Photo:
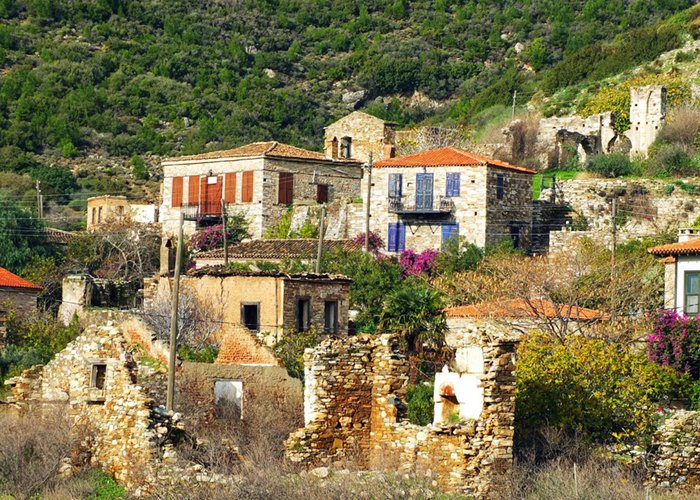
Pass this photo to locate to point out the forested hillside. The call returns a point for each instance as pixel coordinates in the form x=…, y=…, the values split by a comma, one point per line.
x=107, y=82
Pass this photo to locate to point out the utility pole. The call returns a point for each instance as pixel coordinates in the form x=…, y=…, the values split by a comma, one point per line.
x=515, y=95
x=224, y=230
x=319, y=254
x=368, y=201
x=39, y=201
x=173, y=318
x=614, y=233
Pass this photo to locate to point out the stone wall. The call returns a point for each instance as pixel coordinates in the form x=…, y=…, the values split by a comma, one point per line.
x=368, y=133
x=239, y=347
x=647, y=116
x=22, y=299
x=355, y=410
x=645, y=206
x=674, y=460
x=120, y=428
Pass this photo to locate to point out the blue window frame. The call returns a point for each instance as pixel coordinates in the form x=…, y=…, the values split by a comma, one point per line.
x=424, y=191
x=691, y=302
x=452, y=184
x=396, y=240
x=449, y=231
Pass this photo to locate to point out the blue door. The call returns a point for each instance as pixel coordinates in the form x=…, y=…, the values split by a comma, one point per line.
x=424, y=191
x=396, y=238
x=449, y=231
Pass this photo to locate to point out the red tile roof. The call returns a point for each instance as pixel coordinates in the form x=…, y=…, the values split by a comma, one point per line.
x=10, y=280
x=298, y=248
x=270, y=149
x=690, y=247
x=520, y=308
x=448, y=157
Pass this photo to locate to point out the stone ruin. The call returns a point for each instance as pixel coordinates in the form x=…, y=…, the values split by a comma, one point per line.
x=120, y=429
x=355, y=411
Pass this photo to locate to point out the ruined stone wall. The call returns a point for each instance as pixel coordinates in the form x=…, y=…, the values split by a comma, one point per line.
x=238, y=346
x=119, y=426
x=368, y=134
x=647, y=116
x=675, y=460
x=354, y=405
x=646, y=206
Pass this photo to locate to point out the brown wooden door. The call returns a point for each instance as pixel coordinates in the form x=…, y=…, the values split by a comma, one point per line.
x=212, y=189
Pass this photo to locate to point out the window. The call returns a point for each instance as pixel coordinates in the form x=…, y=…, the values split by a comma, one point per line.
x=321, y=193
x=228, y=397
x=452, y=184
x=120, y=212
x=99, y=215
x=515, y=235
x=346, y=147
x=449, y=231
x=303, y=314
x=285, y=192
x=230, y=188
x=499, y=186
x=94, y=214
x=692, y=293
x=396, y=241
x=193, y=190
x=395, y=185
x=177, y=192
x=250, y=315
x=330, y=316
x=247, y=191
x=98, y=373
x=424, y=191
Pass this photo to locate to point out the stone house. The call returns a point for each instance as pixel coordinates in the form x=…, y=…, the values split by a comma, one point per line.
x=108, y=209
x=274, y=251
x=682, y=272
x=17, y=293
x=268, y=304
x=421, y=200
x=259, y=180
x=357, y=135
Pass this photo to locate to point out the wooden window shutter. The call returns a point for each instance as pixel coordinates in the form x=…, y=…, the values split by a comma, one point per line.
x=177, y=192
x=193, y=192
x=286, y=188
x=247, y=192
x=230, y=189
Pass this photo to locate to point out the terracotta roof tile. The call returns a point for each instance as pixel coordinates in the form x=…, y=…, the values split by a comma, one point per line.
x=447, y=157
x=58, y=236
x=222, y=272
x=10, y=280
x=520, y=308
x=300, y=248
x=690, y=247
x=271, y=149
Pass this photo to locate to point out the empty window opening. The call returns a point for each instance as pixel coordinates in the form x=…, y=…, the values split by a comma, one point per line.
x=330, y=315
x=322, y=193
x=250, y=316
x=346, y=147
x=303, y=314
x=98, y=373
x=228, y=397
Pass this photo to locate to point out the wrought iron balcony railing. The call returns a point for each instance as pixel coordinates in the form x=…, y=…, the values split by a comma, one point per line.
x=422, y=205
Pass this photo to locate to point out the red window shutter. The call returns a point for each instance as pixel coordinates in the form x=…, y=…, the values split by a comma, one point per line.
x=230, y=190
x=203, y=199
x=322, y=193
x=177, y=192
x=247, y=194
x=193, y=192
x=286, y=188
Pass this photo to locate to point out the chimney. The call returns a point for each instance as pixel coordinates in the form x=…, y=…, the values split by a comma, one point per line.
x=688, y=233
x=389, y=151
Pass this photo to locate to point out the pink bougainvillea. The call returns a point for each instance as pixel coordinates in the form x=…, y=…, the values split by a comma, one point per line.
x=415, y=264
x=675, y=342
x=375, y=241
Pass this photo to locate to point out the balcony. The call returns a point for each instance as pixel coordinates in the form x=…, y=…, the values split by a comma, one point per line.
x=426, y=206
x=203, y=212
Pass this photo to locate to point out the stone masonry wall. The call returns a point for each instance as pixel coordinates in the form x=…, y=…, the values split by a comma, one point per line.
x=368, y=134
x=512, y=214
x=317, y=293
x=646, y=206
x=674, y=460
x=355, y=408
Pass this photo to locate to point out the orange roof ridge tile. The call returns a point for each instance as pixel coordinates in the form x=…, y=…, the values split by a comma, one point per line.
x=11, y=280
x=689, y=247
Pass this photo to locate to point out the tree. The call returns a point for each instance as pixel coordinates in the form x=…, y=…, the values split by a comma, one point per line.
x=21, y=236
x=415, y=311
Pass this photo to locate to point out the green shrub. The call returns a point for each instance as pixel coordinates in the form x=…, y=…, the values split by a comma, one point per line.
x=138, y=168
x=671, y=160
x=612, y=165
x=420, y=403
x=206, y=354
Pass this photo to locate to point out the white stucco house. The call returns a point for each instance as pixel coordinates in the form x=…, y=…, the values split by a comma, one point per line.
x=682, y=276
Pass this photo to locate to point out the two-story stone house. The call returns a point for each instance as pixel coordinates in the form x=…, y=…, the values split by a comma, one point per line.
x=421, y=200
x=259, y=180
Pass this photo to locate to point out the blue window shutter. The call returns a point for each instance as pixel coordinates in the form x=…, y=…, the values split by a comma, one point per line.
x=392, y=237
x=419, y=190
x=424, y=191
x=449, y=231
x=452, y=184
x=401, y=229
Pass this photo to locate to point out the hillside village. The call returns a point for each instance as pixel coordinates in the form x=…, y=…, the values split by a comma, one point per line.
x=498, y=305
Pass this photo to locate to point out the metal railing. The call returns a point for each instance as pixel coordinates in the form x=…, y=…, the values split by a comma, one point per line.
x=408, y=204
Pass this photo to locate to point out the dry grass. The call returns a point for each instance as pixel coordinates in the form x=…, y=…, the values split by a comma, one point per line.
x=682, y=128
